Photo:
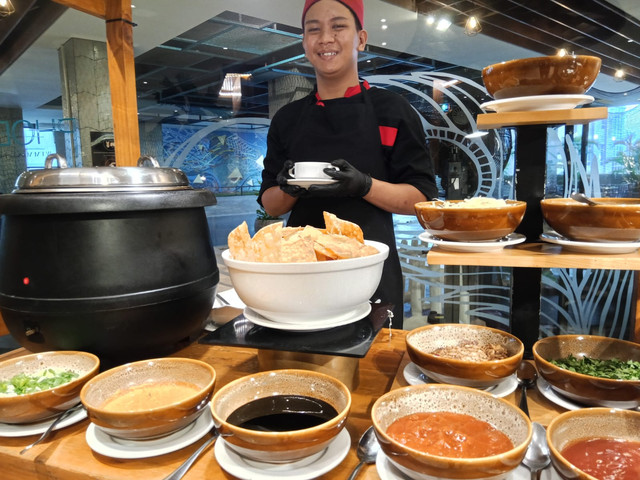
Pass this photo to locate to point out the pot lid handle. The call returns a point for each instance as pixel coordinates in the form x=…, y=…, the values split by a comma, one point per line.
x=148, y=159
x=62, y=162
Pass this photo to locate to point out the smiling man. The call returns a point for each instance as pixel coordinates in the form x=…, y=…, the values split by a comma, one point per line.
x=372, y=135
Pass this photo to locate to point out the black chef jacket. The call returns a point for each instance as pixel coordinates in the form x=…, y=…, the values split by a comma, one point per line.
x=380, y=134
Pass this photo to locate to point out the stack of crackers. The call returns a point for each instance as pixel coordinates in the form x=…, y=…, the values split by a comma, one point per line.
x=339, y=240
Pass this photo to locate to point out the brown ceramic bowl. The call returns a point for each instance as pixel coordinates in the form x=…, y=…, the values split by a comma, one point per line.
x=552, y=75
x=149, y=398
x=422, y=341
x=582, y=388
x=287, y=445
x=616, y=220
x=419, y=465
x=33, y=407
x=461, y=220
x=584, y=424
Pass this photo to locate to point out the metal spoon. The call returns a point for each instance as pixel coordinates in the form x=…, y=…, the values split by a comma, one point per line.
x=179, y=472
x=537, y=457
x=368, y=448
x=50, y=428
x=582, y=198
x=526, y=375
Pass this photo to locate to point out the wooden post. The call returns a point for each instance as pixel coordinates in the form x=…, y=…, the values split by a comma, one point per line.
x=122, y=77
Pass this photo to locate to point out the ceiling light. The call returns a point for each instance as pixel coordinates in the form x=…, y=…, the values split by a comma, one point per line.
x=443, y=24
x=384, y=26
x=620, y=75
x=384, y=44
x=231, y=85
x=472, y=26
x=562, y=52
x=430, y=20
x=6, y=8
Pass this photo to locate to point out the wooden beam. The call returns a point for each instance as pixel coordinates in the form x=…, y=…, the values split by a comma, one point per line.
x=122, y=76
x=122, y=79
x=97, y=8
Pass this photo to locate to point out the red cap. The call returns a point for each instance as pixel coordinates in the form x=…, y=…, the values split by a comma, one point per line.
x=356, y=7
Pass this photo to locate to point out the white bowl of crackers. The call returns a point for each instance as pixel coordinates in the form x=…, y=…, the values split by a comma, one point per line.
x=305, y=274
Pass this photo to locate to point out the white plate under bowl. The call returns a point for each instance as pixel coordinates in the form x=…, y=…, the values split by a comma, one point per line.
x=104, y=444
x=304, y=469
x=307, y=182
x=26, y=429
x=607, y=248
x=356, y=314
x=414, y=376
x=388, y=471
x=468, y=247
x=316, y=319
x=537, y=102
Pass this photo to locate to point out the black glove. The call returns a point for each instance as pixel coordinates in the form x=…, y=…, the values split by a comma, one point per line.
x=351, y=182
x=282, y=179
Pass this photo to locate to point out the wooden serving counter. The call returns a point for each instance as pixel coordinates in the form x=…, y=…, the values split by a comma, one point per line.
x=66, y=455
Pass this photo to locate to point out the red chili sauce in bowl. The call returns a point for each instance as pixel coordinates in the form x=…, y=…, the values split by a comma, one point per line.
x=605, y=458
x=448, y=434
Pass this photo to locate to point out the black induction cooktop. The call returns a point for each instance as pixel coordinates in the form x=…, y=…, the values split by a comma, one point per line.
x=352, y=340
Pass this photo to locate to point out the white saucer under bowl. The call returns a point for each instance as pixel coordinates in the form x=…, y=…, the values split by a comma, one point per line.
x=414, y=376
x=26, y=429
x=307, y=182
x=468, y=247
x=388, y=471
x=607, y=248
x=353, y=316
x=104, y=444
x=304, y=469
x=537, y=102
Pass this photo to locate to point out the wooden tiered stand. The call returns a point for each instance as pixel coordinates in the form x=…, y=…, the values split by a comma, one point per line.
x=528, y=259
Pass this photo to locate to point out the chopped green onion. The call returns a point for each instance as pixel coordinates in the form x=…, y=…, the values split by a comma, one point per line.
x=22, y=384
x=610, y=368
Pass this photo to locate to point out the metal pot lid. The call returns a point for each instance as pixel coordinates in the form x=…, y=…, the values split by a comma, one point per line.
x=97, y=179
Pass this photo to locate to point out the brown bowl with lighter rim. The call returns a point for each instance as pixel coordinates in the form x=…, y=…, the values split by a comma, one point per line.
x=613, y=220
x=434, y=348
x=419, y=464
x=587, y=389
x=594, y=424
x=149, y=398
x=471, y=220
x=310, y=409
x=551, y=75
x=17, y=408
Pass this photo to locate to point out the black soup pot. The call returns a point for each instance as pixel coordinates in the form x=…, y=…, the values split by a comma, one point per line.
x=116, y=261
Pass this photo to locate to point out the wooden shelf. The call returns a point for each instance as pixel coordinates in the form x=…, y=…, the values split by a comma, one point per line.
x=535, y=255
x=543, y=117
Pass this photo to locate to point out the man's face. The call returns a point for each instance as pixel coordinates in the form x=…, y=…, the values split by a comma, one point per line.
x=331, y=40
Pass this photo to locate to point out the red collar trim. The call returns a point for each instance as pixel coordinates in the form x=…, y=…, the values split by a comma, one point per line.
x=350, y=92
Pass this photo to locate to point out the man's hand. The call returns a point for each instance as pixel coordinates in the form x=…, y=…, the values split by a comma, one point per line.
x=283, y=178
x=351, y=182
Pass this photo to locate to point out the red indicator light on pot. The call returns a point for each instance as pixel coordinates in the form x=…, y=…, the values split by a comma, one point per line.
x=25, y=280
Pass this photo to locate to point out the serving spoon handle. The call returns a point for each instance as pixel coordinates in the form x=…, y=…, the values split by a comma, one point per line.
x=50, y=428
x=179, y=472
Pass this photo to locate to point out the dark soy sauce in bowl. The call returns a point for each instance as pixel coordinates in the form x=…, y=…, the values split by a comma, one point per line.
x=282, y=413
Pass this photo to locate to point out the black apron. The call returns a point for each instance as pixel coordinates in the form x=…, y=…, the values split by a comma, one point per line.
x=347, y=128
